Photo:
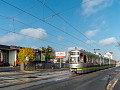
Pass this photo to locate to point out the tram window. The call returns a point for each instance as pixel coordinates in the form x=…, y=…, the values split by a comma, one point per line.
x=96, y=60
x=81, y=57
x=89, y=61
x=102, y=60
x=74, y=53
x=85, y=59
x=93, y=60
x=74, y=60
x=105, y=61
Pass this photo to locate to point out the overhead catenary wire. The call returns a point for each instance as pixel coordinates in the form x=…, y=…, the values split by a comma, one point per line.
x=45, y=22
x=57, y=28
x=67, y=9
x=41, y=31
x=26, y=10
x=67, y=21
x=31, y=36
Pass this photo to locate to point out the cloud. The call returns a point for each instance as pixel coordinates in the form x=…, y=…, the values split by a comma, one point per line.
x=38, y=33
x=94, y=6
x=103, y=23
x=108, y=41
x=92, y=33
x=60, y=38
x=10, y=38
x=90, y=41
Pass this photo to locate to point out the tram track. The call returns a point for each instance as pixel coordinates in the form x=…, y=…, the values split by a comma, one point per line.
x=50, y=80
x=78, y=77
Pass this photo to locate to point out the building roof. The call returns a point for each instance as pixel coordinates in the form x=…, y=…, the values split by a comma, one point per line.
x=5, y=47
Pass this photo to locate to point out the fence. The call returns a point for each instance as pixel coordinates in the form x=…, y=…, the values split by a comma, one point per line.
x=33, y=66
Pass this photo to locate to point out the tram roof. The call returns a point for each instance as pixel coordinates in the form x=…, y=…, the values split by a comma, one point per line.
x=83, y=51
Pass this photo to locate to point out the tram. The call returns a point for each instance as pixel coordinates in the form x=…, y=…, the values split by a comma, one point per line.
x=82, y=61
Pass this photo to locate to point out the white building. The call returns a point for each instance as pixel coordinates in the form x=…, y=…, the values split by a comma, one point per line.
x=109, y=55
x=8, y=55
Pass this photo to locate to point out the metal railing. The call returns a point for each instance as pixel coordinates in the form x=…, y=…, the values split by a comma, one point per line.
x=36, y=65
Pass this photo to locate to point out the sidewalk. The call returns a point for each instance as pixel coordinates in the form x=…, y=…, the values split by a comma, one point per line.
x=44, y=70
x=9, y=69
x=17, y=69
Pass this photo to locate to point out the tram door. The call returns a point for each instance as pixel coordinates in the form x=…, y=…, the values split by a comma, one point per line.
x=85, y=59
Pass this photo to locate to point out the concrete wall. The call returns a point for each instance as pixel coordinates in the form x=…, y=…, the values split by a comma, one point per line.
x=12, y=57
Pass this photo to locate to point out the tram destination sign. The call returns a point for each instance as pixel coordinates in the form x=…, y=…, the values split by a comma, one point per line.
x=60, y=54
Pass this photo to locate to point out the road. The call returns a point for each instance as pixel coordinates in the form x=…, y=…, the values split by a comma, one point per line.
x=59, y=80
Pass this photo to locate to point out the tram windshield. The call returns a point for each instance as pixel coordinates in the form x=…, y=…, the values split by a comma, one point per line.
x=74, y=60
x=74, y=53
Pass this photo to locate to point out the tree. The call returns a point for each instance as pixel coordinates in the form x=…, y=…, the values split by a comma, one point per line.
x=49, y=52
x=26, y=52
x=43, y=48
x=18, y=62
x=67, y=61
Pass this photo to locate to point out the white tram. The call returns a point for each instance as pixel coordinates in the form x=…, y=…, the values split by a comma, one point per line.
x=82, y=61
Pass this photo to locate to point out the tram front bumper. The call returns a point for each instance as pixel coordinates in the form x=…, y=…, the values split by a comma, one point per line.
x=73, y=70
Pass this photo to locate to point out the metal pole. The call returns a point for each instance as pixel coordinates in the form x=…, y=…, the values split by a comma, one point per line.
x=0, y=55
x=109, y=60
x=100, y=60
x=60, y=62
x=60, y=58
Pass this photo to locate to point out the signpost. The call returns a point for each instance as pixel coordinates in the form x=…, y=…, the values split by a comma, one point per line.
x=42, y=56
x=27, y=58
x=60, y=55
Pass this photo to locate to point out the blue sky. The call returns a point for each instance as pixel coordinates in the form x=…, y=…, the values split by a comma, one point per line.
x=93, y=24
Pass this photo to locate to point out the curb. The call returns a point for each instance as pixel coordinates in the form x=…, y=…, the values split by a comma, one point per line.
x=112, y=83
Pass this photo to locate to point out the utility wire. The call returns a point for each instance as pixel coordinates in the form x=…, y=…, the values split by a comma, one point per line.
x=41, y=31
x=45, y=22
x=67, y=21
x=68, y=9
x=63, y=19
x=26, y=10
x=42, y=21
x=31, y=36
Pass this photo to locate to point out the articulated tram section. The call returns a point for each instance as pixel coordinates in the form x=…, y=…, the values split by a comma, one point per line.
x=82, y=61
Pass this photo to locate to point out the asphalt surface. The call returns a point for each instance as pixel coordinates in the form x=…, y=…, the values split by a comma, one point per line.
x=92, y=81
x=56, y=80
x=18, y=80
